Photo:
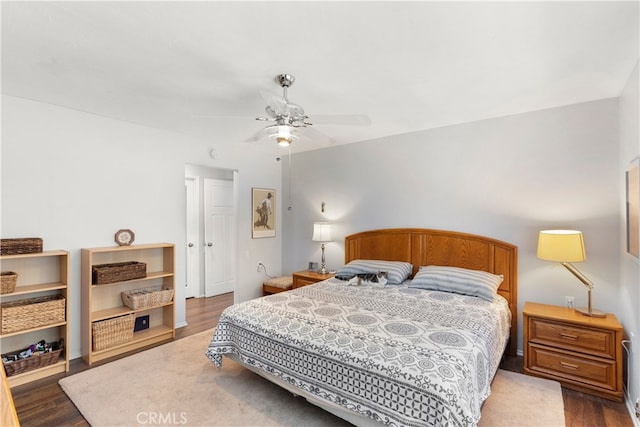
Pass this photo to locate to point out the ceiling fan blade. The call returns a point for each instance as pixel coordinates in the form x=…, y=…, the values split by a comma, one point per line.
x=310, y=134
x=260, y=135
x=276, y=105
x=347, y=120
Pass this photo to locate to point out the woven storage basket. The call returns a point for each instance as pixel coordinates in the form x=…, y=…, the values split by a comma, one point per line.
x=148, y=297
x=28, y=245
x=34, y=361
x=112, y=332
x=8, y=281
x=31, y=313
x=103, y=274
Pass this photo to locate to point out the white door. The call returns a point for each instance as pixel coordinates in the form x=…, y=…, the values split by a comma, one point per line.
x=219, y=247
x=192, y=249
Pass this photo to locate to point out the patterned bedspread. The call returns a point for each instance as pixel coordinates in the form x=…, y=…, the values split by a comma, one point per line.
x=401, y=356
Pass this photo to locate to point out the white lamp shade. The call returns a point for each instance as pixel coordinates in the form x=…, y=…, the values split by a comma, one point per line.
x=561, y=246
x=321, y=232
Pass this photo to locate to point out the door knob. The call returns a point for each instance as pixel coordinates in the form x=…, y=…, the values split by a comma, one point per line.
x=209, y=244
x=190, y=245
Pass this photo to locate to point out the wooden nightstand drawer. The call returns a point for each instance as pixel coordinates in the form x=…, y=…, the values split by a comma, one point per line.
x=596, y=342
x=594, y=372
x=301, y=281
x=306, y=277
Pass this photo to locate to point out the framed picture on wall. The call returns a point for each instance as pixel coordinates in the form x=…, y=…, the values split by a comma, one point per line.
x=263, y=206
x=633, y=200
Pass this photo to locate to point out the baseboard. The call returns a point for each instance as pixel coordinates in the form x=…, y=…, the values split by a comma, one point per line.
x=632, y=413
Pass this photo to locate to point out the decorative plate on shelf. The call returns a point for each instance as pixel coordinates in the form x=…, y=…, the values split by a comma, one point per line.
x=125, y=237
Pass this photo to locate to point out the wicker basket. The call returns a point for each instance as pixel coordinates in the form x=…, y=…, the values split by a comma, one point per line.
x=28, y=245
x=35, y=361
x=8, y=281
x=31, y=313
x=111, y=332
x=103, y=274
x=148, y=297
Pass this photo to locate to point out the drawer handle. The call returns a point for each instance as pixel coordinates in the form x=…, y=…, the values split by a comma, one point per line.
x=569, y=336
x=569, y=366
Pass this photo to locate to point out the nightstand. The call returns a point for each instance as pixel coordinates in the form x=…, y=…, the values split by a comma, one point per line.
x=582, y=353
x=308, y=277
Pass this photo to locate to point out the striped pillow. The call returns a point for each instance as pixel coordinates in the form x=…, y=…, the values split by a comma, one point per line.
x=397, y=271
x=458, y=280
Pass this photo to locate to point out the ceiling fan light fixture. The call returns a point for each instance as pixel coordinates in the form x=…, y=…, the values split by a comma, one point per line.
x=283, y=134
x=283, y=142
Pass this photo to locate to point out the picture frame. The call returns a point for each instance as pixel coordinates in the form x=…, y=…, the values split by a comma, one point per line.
x=632, y=181
x=263, y=212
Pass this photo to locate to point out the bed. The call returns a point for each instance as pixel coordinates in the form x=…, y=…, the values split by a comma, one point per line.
x=399, y=354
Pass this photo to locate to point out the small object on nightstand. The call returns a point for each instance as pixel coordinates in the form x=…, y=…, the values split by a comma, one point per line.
x=124, y=237
x=582, y=353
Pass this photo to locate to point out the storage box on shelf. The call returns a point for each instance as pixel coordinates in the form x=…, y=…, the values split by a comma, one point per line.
x=32, y=313
x=21, y=246
x=147, y=297
x=9, y=280
x=36, y=309
x=107, y=320
x=34, y=361
x=112, y=332
x=118, y=272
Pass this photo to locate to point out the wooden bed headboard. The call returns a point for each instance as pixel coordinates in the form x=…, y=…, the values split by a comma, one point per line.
x=421, y=246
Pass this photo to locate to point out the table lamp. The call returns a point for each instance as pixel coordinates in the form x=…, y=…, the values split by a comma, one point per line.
x=565, y=247
x=322, y=234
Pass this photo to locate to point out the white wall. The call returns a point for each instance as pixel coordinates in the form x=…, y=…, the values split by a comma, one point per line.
x=506, y=178
x=74, y=179
x=629, y=293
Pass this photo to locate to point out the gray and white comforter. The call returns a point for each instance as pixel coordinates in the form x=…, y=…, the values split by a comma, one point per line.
x=401, y=356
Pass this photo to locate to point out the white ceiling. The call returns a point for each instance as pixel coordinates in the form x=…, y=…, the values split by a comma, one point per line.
x=199, y=67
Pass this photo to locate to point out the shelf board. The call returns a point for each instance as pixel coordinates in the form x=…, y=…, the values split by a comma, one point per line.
x=150, y=276
x=151, y=332
x=130, y=248
x=39, y=328
x=121, y=311
x=29, y=289
x=34, y=255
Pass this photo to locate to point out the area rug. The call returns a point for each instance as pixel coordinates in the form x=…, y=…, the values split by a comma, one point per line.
x=175, y=384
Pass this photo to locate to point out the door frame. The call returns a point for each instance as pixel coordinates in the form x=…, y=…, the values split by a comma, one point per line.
x=199, y=173
x=192, y=282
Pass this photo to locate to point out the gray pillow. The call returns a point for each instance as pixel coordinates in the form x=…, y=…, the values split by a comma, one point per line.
x=458, y=280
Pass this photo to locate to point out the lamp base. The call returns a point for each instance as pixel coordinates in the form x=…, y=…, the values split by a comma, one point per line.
x=593, y=313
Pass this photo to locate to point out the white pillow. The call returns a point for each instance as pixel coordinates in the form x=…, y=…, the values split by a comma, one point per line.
x=397, y=271
x=458, y=280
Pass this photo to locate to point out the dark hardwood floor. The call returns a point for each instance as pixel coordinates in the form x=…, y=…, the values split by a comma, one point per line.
x=43, y=403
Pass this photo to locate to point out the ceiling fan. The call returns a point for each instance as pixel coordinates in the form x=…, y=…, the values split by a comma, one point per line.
x=289, y=120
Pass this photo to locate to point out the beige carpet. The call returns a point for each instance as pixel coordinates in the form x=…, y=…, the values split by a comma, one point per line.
x=175, y=384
